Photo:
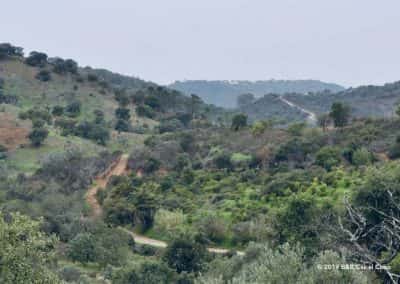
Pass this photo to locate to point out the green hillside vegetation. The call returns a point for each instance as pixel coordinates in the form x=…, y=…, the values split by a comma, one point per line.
x=284, y=202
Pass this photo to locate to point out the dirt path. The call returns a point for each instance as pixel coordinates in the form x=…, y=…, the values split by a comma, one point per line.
x=115, y=169
x=161, y=244
x=119, y=168
x=311, y=116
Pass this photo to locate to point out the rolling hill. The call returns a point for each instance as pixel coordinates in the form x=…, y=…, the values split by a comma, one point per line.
x=225, y=93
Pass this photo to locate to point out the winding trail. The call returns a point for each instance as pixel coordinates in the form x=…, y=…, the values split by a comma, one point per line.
x=118, y=168
x=311, y=116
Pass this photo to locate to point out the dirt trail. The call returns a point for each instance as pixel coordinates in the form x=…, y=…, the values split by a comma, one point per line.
x=119, y=168
x=311, y=116
x=161, y=244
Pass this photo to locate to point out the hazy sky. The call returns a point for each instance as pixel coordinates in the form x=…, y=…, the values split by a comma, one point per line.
x=350, y=42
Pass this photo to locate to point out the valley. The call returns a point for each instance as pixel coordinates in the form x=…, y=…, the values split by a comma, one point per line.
x=120, y=180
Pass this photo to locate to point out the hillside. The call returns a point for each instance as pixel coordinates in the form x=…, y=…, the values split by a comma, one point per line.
x=273, y=108
x=365, y=101
x=93, y=109
x=110, y=179
x=225, y=93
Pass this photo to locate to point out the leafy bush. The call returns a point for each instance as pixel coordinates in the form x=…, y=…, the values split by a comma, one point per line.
x=73, y=109
x=185, y=255
x=43, y=76
x=328, y=157
x=362, y=157
x=57, y=111
x=25, y=251
x=38, y=135
x=62, y=66
x=239, y=121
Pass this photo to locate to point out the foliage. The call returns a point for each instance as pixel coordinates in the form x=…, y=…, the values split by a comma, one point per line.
x=7, y=50
x=185, y=255
x=36, y=59
x=25, y=252
x=73, y=109
x=340, y=114
x=43, y=75
x=239, y=121
x=328, y=157
x=61, y=66
x=263, y=264
x=38, y=135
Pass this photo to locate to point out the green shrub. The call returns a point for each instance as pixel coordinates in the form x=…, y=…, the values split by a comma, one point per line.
x=328, y=157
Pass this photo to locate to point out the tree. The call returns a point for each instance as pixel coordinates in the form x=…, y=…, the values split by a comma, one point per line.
x=57, y=111
x=43, y=76
x=324, y=120
x=259, y=127
x=73, y=109
x=195, y=101
x=122, y=113
x=36, y=59
x=82, y=248
x=372, y=220
x=38, y=135
x=153, y=102
x=25, y=251
x=7, y=50
x=62, y=66
x=328, y=157
x=239, y=121
x=340, y=114
x=185, y=255
x=122, y=126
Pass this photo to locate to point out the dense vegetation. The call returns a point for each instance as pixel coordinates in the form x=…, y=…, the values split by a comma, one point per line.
x=286, y=203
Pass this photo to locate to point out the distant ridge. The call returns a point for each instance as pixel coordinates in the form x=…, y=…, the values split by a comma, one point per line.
x=225, y=92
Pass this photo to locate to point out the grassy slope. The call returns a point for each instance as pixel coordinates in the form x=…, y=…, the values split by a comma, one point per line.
x=20, y=81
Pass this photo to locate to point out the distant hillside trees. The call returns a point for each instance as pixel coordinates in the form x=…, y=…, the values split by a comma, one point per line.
x=122, y=113
x=73, y=109
x=36, y=59
x=38, y=134
x=6, y=99
x=63, y=66
x=239, y=121
x=7, y=50
x=57, y=111
x=43, y=76
x=324, y=120
x=95, y=130
x=340, y=114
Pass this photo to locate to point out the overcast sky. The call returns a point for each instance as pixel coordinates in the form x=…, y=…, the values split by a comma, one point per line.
x=351, y=42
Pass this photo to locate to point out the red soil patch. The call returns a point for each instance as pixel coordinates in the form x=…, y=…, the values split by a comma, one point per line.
x=12, y=133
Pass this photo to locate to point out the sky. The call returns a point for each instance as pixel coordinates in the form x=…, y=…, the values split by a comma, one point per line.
x=350, y=42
